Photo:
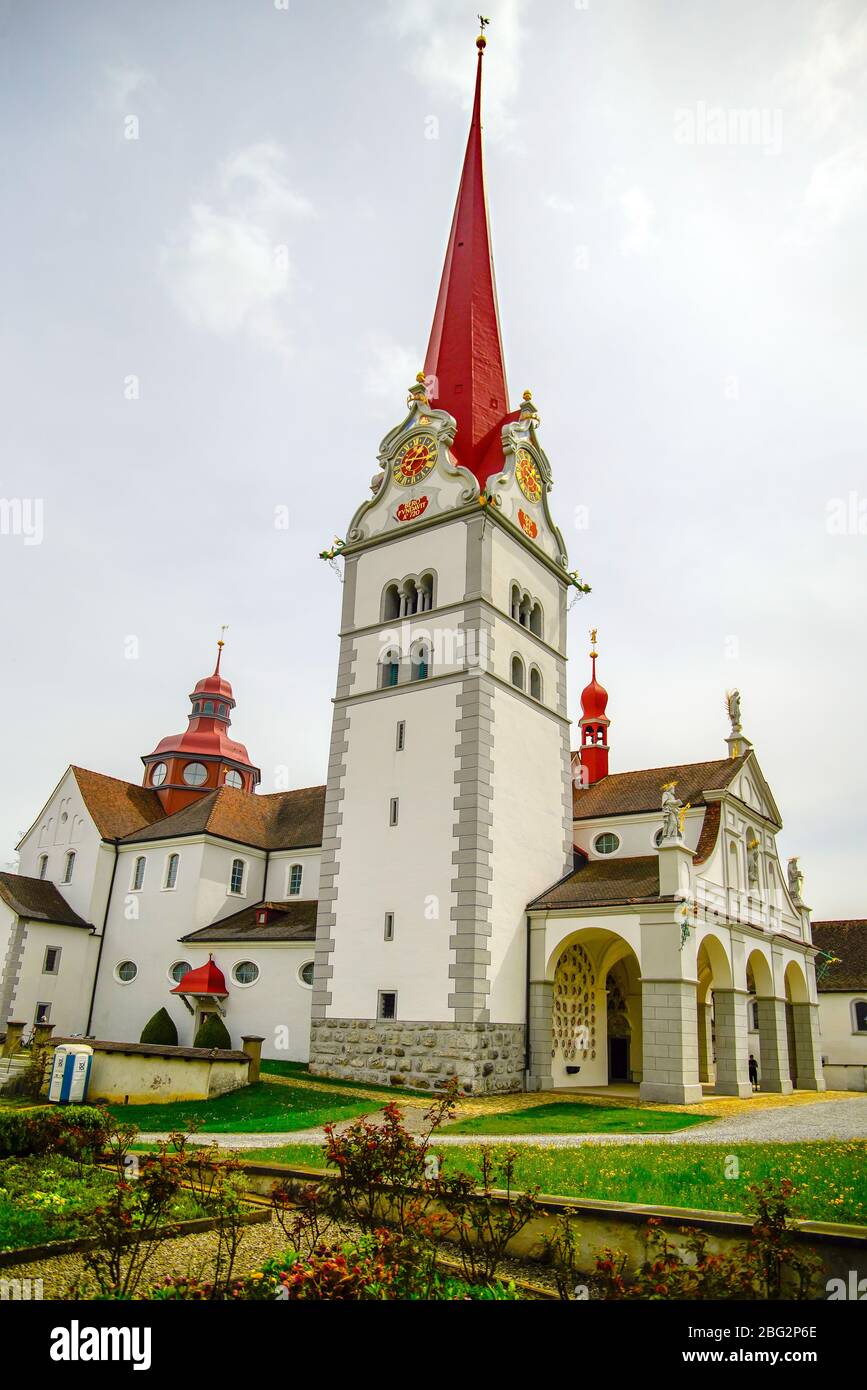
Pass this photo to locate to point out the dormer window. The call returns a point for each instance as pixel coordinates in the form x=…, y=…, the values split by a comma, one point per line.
x=236, y=879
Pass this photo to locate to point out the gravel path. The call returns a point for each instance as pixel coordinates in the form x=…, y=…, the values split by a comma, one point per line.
x=833, y=1119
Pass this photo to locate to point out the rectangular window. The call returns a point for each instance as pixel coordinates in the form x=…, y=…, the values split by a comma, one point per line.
x=754, y=1009
x=236, y=883
x=394, y=810
x=401, y=736
x=138, y=874
x=43, y=1013
x=295, y=875
x=389, y=926
x=51, y=964
x=387, y=1004
x=172, y=870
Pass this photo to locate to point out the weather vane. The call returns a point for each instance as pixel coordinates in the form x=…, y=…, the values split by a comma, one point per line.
x=223, y=630
x=484, y=23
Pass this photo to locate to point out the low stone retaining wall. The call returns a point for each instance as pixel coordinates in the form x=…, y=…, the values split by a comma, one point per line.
x=841, y=1248
x=485, y=1057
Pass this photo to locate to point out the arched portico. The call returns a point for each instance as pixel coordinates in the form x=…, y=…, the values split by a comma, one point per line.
x=802, y=1030
x=596, y=1024
x=773, y=1059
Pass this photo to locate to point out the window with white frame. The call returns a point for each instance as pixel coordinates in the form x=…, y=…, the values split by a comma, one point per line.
x=51, y=963
x=296, y=873
x=306, y=973
x=69, y=867
x=400, y=741
x=138, y=874
x=43, y=865
x=389, y=926
x=394, y=810
x=387, y=1005
x=43, y=1013
x=236, y=878
x=859, y=1015
x=246, y=972
x=172, y=864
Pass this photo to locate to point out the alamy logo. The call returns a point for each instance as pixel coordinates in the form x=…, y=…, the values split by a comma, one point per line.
x=854, y=1291
x=77, y=1343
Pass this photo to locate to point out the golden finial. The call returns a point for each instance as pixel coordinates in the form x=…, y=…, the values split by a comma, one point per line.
x=528, y=395
x=481, y=41
x=421, y=378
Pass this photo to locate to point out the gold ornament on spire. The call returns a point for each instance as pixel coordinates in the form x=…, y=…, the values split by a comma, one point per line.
x=594, y=641
x=481, y=41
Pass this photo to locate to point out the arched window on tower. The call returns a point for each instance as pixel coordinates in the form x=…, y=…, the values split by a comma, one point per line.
x=391, y=603
x=426, y=590
x=420, y=662
x=389, y=670
x=536, y=620
x=516, y=603
x=517, y=673
x=535, y=683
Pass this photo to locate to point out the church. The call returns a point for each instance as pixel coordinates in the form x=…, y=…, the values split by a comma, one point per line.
x=472, y=893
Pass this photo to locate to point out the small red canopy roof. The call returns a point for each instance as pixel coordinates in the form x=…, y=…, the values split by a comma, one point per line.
x=206, y=979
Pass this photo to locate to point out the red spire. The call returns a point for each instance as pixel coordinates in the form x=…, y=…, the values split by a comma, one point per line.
x=594, y=727
x=465, y=353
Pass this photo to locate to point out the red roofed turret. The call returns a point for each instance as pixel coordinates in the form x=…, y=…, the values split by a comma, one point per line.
x=206, y=979
x=594, y=727
x=465, y=355
x=184, y=767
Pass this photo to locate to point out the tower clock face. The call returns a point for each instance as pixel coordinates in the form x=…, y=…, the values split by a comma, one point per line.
x=528, y=476
x=415, y=461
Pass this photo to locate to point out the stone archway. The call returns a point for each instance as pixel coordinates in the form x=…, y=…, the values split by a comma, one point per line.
x=722, y=1021
x=802, y=1031
x=769, y=1037
x=595, y=1000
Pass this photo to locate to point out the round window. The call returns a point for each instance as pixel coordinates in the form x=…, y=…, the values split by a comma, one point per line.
x=234, y=779
x=246, y=972
x=179, y=970
x=126, y=972
x=305, y=974
x=195, y=774
x=657, y=839
x=607, y=843
x=159, y=774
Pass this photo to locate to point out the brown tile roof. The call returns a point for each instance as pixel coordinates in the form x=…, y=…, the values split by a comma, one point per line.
x=284, y=820
x=604, y=883
x=848, y=941
x=39, y=900
x=709, y=834
x=292, y=921
x=118, y=808
x=631, y=793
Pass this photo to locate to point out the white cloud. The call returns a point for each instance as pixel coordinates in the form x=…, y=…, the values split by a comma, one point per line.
x=390, y=368
x=639, y=213
x=124, y=82
x=824, y=86
x=557, y=203
x=229, y=268
x=444, y=53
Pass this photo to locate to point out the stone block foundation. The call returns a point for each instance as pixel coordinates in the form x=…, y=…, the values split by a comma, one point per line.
x=487, y=1058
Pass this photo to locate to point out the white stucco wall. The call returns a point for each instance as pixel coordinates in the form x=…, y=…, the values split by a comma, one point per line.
x=68, y=991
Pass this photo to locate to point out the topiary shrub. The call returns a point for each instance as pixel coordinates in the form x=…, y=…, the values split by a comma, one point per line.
x=160, y=1030
x=213, y=1033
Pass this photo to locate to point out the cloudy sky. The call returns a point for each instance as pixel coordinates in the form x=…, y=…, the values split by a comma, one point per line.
x=223, y=231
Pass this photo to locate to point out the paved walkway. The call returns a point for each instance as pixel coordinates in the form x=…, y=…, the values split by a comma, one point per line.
x=841, y=1120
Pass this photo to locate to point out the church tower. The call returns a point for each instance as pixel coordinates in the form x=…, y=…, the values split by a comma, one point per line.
x=184, y=767
x=449, y=795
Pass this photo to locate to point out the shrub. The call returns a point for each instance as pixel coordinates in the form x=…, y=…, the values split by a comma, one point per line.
x=160, y=1030
x=213, y=1033
x=76, y=1131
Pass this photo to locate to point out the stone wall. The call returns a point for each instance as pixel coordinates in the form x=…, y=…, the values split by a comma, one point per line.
x=485, y=1057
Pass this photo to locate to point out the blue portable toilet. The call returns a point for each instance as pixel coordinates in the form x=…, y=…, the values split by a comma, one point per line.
x=70, y=1073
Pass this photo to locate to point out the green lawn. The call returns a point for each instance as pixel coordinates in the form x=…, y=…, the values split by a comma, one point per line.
x=301, y=1069
x=830, y=1178
x=264, y=1108
x=569, y=1117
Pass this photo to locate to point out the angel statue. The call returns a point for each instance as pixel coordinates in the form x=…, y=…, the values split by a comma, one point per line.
x=753, y=863
x=796, y=879
x=733, y=705
x=672, y=825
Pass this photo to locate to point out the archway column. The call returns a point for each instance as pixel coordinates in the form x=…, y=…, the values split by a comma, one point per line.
x=773, y=1045
x=541, y=1029
x=732, y=1048
x=669, y=1042
x=705, y=1042
x=808, y=1056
